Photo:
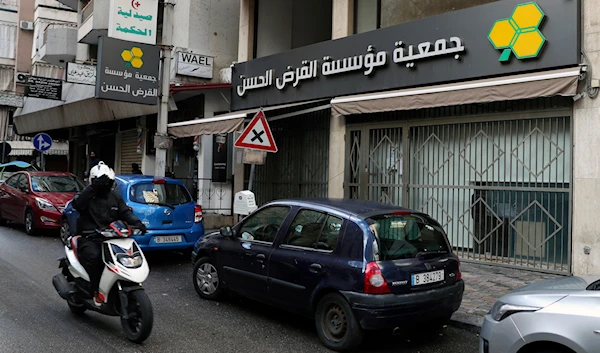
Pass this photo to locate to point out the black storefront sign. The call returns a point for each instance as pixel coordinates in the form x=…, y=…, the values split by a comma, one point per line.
x=498, y=39
x=220, y=158
x=43, y=87
x=127, y=71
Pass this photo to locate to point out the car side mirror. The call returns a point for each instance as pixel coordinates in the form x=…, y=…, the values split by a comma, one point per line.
x=226, y=232
x=25, y=190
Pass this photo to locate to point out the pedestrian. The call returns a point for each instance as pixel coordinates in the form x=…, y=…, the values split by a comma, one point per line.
x=93, y=160
x=135, y=168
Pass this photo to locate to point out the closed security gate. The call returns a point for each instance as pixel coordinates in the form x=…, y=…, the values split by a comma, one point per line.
x=500, y=189
x=128, y=151
x=300, y=166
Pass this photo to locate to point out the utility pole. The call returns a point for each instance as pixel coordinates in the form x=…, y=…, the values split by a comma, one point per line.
x=162, y=140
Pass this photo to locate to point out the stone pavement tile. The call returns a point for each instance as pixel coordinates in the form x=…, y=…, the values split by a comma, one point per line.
x=485, y=284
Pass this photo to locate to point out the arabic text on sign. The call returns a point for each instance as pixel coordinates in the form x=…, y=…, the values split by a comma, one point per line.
x=367, y=63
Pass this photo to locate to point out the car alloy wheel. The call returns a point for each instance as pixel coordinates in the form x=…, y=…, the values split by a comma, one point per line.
x=29, y=226
x=207, y=278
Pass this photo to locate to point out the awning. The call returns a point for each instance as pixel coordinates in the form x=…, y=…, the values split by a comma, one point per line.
x=25, y=148
x=541, y=84
x=78, y=108
x=220, y=124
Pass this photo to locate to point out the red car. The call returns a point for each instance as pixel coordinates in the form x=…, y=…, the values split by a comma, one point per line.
x=37, y=199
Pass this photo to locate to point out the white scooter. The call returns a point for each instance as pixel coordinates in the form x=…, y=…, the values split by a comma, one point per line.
x=121, y=288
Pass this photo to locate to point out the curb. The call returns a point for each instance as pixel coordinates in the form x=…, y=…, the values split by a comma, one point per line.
x=467, y=320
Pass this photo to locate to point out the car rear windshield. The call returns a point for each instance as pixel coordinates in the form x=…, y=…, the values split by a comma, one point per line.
x=406, y=236
x=159, y=194
x=56, y=183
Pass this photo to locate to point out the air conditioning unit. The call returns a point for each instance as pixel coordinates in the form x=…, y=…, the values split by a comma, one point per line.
x=26, y=25
x=22, y=78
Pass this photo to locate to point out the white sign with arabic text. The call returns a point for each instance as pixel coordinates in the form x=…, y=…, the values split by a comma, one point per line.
x=133, y=20
x=81, y=73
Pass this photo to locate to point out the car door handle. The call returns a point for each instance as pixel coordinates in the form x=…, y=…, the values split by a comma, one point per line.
x=260, y=257
x=315, y=268
x=597, y=332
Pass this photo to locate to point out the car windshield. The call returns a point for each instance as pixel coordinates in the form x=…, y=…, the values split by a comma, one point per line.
x=159, y=194
x=56, y=183
x=406, y=236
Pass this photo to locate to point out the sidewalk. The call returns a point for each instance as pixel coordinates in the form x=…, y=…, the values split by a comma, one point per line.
x=485, y=284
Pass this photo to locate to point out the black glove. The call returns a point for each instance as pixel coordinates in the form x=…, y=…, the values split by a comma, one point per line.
x=141, y=227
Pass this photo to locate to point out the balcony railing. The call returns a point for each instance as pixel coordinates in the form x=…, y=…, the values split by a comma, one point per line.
x=87, y=11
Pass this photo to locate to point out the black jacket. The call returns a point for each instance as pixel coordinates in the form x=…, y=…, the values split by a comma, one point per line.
x=99, y=211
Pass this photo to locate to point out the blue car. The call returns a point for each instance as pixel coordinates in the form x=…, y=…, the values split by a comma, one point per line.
x=351, y=265
x=164, y=205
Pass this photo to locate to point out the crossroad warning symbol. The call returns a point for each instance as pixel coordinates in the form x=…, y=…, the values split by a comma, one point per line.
x=257, y=135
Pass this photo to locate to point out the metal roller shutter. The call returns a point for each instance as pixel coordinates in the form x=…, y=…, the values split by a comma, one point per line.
x=128, y=151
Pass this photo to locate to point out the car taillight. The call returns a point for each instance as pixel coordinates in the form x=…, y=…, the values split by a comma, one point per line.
x=197, y=214
x=374, y=281
x=459, y=274
x=159, y=181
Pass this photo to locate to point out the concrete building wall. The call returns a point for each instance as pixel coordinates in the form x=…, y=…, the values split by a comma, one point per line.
x=586, y=173
x=25, y=38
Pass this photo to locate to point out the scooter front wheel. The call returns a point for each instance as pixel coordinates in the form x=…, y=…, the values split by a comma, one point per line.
x=140, y=319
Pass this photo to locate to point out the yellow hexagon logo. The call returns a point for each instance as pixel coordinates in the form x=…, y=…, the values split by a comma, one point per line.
x=137, y=52
x=137, y=63
x=126, y=55
x=133, y=57
x=528, y=44
x=502, y=34
x=519, y=34
x=528, y=15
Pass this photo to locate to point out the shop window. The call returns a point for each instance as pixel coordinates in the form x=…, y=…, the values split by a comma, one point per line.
x=367, y=15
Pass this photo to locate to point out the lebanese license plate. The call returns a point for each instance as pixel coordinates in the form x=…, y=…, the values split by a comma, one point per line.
x=427, y=277
x=161, y=239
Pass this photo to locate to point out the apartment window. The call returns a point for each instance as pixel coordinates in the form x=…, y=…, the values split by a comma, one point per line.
x=8, y=40
x=367, y=15
x=394, y=12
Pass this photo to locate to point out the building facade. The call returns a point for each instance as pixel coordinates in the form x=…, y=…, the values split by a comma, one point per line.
x=480, y=113
x=203, y=46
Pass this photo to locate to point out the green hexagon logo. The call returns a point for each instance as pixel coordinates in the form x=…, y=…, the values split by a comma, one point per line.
x=133, y=57
x=520, y=34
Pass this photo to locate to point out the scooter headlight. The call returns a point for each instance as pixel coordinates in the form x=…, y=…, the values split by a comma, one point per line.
x=130, y=261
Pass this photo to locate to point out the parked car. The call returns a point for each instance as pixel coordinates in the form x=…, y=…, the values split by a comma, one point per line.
x=164, y=205
x=37, y=199
x=553, y=316
x=351, y=265
x=10, y=168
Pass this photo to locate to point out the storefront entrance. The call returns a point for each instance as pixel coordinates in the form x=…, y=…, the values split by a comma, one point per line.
x=500, y=185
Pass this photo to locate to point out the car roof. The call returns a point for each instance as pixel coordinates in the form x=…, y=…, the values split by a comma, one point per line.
x=359, y=208
x=19, y=164
x=47, y=173
x=137, y=178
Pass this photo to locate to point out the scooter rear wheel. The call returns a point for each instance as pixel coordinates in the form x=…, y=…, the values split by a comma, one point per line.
x=76, y=309
x=139, y=324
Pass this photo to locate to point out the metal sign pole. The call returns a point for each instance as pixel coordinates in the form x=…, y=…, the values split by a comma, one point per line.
x=42, y=162
x=3, y=150
x=251, y=180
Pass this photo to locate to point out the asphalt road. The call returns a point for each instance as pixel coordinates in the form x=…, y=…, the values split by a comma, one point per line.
x=33, y=318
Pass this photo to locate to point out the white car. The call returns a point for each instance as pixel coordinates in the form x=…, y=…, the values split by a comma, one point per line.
x=555, y=316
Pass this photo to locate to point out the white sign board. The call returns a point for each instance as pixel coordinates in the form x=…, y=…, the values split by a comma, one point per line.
x=81, y=73
x=244, y=203
x=133, y=20
x=189, y=64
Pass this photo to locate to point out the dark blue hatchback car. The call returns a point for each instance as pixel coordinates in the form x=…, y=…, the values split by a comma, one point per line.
x=352, y=265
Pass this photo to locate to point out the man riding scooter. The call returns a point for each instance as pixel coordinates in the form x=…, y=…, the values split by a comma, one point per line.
x=99, y=206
